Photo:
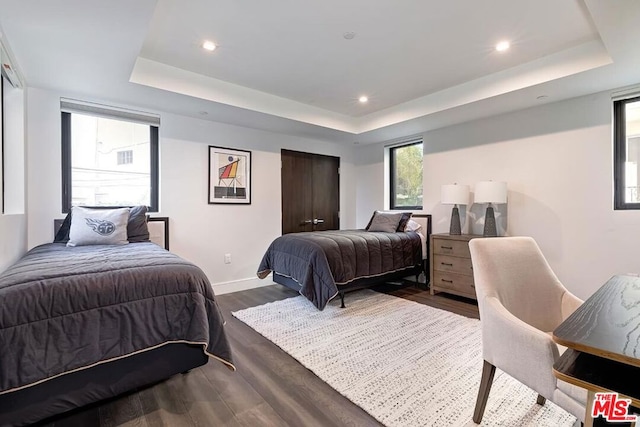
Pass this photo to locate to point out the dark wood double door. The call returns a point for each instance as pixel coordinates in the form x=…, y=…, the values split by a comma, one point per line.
x=310, y=192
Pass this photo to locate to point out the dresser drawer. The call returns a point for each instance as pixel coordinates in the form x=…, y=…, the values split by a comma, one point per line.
x=451, y=247
x=452, y=264
x=456, y=283
x=451, y=268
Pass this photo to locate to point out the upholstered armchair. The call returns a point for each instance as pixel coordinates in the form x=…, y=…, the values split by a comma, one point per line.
x=521, y=302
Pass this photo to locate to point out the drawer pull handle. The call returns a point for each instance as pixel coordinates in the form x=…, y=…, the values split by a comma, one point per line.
x=447, y=281
x=446, y=247
x=447, y=263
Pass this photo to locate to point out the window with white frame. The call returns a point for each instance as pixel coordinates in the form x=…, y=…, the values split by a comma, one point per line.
x=626, y=118
x=109, y=156
x=405, y=175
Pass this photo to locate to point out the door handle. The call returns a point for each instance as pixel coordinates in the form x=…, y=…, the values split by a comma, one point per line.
x=306, y=221
x=317, y=221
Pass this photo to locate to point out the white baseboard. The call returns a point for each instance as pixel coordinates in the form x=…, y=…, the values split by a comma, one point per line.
x=241, y=285
x=254, y=282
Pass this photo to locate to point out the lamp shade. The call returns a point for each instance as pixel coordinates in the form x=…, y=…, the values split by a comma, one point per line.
x=491, y=192
x=454, y=194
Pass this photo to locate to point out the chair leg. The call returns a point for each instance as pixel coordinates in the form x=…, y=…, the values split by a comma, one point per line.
x=488, y=371
x=541, y=400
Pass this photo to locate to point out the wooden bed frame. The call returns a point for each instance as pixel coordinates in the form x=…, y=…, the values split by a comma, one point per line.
x=424, y=220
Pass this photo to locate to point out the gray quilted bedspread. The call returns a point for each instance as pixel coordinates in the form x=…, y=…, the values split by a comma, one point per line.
x=322, y=261
x=64, y=308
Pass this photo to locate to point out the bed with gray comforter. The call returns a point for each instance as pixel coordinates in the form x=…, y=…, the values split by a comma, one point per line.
x=68, y=309
x=323, y=263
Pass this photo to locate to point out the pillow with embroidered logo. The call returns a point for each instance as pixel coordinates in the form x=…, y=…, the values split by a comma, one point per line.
x=137, y=230
x=98, y=226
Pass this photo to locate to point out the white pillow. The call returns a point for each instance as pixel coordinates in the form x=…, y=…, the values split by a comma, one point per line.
x=98, y=226
x=412, y=226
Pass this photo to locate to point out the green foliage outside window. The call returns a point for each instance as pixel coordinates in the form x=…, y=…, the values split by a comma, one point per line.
x=407, y=176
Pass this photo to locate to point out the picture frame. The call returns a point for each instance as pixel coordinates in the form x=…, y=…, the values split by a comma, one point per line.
x=229, y=176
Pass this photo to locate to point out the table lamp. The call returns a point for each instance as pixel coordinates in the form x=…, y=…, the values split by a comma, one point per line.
x=454, y=194
x=490, y=192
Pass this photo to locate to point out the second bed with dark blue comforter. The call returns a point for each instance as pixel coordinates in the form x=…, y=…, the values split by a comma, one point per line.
x=322, y=262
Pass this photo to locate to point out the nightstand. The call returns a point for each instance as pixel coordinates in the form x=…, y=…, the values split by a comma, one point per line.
x=451, y=269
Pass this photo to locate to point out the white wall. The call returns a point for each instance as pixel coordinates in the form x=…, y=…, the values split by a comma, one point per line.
x=14, y=147
x=557, y=161
x=13, y=222
x=199, y=232
x=13, y=239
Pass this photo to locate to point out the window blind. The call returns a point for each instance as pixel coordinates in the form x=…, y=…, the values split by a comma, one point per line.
x=626, y=93
x=82, y=107
x=404, y=141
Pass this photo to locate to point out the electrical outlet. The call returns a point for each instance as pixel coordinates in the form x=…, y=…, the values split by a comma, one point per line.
x=227, y=258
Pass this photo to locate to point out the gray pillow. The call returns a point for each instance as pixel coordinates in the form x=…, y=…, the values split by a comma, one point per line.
x=62, y=236
x=137, y=230
x=98, y=226
x=402, y=225
x=387, y=222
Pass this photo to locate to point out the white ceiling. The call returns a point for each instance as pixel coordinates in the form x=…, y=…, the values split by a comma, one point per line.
x=285, y=66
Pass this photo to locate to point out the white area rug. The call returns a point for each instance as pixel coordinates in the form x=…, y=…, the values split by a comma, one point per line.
x=405, y=363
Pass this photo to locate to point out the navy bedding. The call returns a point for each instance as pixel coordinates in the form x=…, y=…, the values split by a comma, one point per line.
x=64, y=309
x=323, y=261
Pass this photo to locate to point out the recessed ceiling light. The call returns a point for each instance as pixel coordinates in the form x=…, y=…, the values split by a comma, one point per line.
x=209, y=45
x=542, y=97
x=502, y=46
x=349, y=35
x=363, y=99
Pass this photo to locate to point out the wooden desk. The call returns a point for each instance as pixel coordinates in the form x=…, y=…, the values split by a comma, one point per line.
x=603, y=341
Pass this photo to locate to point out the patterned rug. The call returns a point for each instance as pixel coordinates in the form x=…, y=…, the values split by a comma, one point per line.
x=405, y=363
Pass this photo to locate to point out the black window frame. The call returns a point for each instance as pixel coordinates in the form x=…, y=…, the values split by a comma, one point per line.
x=392, y=183
x=620, y=153
x=154, y=154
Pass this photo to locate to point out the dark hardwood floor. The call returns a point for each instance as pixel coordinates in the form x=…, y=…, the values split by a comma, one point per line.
x=269, y=388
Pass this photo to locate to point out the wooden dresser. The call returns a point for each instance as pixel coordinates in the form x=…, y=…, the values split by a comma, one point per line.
x=451, y=269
